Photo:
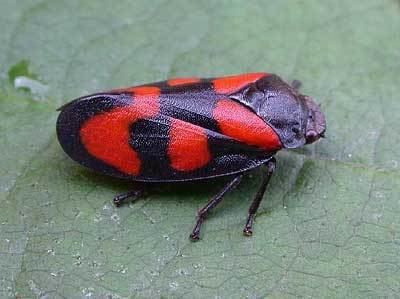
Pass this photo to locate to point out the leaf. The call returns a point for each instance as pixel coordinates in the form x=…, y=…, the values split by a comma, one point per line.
x=328, y=226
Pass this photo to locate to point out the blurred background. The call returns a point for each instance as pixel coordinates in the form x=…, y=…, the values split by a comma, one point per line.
x=328, y=226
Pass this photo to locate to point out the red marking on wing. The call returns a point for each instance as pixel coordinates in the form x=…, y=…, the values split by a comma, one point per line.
x=138, y=90
x=182, y=81
x=231, y=84
x=238, y=122
x=188, y=146
x=106, y=135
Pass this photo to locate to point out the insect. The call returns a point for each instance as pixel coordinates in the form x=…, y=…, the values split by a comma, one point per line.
x=188, y=129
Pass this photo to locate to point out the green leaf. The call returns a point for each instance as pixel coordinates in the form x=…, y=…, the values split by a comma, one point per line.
x=328, y=226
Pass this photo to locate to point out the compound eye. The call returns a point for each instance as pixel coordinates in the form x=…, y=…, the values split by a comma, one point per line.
x=311, y=136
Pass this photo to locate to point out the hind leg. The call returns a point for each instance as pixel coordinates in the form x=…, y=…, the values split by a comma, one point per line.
x=130, y=196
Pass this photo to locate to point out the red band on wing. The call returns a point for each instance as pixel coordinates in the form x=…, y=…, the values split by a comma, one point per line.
x=106, y=136
x=138, y=90
x=188, y=146
x=182, y=81
x=238, y=122
x=231, y=84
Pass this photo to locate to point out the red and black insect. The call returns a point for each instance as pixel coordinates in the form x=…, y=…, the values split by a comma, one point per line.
x=189, y=129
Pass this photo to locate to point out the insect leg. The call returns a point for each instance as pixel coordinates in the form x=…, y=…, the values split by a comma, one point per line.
x=202, y=213
x=133, y=195
x=248, y=229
